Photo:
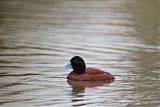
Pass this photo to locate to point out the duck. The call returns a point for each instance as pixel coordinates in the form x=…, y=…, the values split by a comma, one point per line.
x=82, y=73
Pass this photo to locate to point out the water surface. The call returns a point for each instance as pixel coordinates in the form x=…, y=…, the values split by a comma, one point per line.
x=37, y=38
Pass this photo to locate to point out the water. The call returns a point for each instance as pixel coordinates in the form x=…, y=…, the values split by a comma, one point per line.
x=37, y=38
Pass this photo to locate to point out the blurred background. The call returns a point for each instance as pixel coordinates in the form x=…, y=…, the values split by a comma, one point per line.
x=38, y=37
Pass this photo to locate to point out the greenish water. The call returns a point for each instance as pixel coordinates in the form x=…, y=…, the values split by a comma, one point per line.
x=38, y=37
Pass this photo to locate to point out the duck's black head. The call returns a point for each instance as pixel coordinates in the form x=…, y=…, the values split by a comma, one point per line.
x=78, y=65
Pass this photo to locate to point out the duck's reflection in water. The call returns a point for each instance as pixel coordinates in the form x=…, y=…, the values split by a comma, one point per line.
x=79, y=86
x=78, y=90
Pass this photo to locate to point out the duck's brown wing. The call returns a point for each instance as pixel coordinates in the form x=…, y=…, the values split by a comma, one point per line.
x=99, y=75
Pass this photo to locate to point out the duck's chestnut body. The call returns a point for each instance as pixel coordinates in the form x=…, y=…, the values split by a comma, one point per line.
x=91, y=74
x=81, y=73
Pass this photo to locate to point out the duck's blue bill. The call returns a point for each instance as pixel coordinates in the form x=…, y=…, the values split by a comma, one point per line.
x=68, y=66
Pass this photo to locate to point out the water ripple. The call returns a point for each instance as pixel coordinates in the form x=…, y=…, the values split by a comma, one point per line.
x=39, y=37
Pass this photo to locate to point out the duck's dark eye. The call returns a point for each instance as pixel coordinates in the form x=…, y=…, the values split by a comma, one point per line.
x=78, y=63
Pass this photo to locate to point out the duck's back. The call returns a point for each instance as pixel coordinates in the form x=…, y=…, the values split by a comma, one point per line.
x=91, y=74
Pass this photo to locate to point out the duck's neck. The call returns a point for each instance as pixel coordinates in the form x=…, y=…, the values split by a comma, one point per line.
x=78, y=71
